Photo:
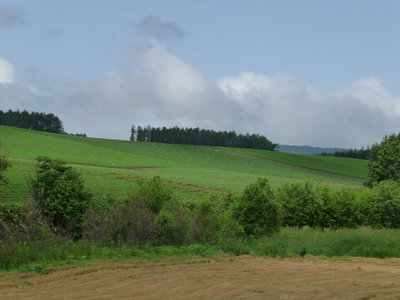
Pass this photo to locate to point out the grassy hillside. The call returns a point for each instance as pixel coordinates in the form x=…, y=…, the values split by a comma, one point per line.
x=110, y=167
x=340, y=165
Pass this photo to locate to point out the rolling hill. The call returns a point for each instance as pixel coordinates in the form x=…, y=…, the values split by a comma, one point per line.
x=110, y=167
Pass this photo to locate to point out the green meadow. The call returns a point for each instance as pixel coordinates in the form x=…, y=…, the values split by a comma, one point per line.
x=110, y=167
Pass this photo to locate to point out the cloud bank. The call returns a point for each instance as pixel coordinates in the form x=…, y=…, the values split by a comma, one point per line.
x=164, y=90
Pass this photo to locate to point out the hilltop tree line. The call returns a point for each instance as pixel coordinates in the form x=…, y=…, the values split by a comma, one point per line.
x=351, y=153
x=196, y=136
x=34, y=120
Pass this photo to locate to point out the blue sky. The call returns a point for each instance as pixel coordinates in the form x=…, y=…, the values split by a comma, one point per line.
x=321, y=73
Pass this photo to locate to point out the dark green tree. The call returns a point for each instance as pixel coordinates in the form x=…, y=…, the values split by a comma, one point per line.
x=59, y=193
x=384, y=161
x=257, y=211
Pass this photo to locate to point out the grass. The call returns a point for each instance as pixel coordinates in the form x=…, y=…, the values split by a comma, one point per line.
x=290, y=242
x=340, y=165
x=108, y=166
x=361, y=242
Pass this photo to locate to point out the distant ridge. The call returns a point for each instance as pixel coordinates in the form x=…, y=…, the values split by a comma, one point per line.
x=307, y=149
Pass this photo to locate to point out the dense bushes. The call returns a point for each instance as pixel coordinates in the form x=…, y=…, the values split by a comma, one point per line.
x=301, y=204
x=4, y=165
x=151, y=216
x=256, y=210
x=384, y=160
x=59, y=194
x=322, y=206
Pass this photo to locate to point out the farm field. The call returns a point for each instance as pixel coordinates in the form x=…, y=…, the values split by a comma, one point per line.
x=110, y=167
x=244, y=277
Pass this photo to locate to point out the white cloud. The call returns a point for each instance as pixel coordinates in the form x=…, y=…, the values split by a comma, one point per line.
x=291, y=111
x=163, y=90
x=6, y=71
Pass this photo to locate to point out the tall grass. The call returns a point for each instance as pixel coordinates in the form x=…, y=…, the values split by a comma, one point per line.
x=362, y=242
x=289, y=242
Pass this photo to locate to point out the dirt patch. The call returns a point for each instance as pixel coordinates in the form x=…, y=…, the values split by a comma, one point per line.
x=283, y=163
x=227, y=278
x=192, y=187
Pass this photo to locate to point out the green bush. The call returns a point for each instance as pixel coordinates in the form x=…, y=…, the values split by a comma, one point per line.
x=380, y=206
x=339, y=208
x=301, y=204
x=166, y=228
x=384, y=161
x=154, y=193
x=256, y=210
x=4, y=165
x=59, y=193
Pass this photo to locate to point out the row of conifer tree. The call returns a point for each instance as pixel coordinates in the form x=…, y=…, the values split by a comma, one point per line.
x=197, y=136
x=34, y=120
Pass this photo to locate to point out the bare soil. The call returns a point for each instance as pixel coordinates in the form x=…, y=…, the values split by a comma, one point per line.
x=244, y=277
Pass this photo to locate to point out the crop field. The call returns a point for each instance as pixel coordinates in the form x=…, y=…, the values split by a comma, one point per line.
x=244, y=277
x=110, y=167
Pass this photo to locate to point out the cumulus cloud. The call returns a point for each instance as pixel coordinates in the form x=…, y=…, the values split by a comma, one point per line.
x=154, y=27
x=163, y=90
x=6, y=71
x=293, y=112
x=11, y=17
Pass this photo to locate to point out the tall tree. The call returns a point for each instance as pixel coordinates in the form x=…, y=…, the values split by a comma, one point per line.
x=384, y=160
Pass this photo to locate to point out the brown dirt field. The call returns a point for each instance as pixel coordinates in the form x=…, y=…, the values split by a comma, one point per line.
x=244, y=277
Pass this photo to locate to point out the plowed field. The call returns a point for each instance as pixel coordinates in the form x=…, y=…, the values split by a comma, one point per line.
x=244, y=277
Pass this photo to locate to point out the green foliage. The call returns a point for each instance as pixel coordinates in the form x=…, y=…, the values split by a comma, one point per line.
x=59, y=193
x=339, y=208
x=154, y=193
x=301, y=204
x=257, y=211
x=166, y=228
x=380, y=206
x=4, y=165
x=384, y=161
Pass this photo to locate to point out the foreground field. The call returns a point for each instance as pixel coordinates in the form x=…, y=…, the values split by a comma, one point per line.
x=244, y=277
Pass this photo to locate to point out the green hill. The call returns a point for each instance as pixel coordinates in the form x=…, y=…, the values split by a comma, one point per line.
x=110, y=167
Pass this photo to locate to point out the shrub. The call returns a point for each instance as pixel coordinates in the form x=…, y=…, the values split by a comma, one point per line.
x=166, y=228
x=339, y=208
x=384, y=161
x=59, y=194
x=256, y=210
x=380, y=206
x=301, y=204
x=4, y=165
x=154, y=193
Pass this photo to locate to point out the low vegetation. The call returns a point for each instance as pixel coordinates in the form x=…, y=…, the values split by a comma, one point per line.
x=63, y=222
x=59, y=221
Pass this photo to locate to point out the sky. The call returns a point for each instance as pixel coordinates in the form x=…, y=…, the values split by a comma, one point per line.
x=300, y=72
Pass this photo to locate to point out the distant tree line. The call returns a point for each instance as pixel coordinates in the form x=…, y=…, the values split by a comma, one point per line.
x=351, y=153
x=196, y=136
x=34, y=120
